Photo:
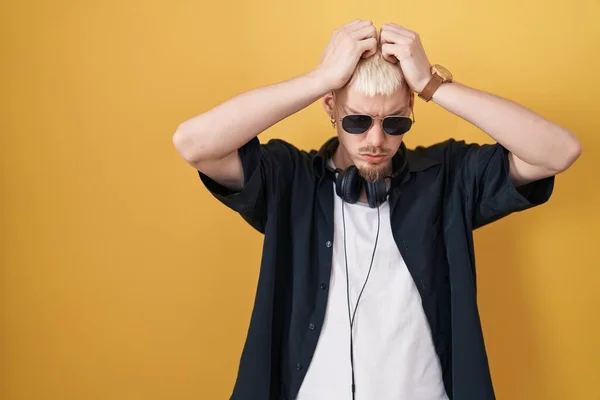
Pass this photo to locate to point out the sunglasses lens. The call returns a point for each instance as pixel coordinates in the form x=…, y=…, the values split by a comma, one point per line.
x=396, y=125
x=356, y=123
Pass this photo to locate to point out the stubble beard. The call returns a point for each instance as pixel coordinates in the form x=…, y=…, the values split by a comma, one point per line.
x=374, y=173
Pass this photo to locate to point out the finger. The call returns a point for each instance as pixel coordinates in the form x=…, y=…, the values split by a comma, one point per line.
x=352, y=23
x=388, y=36
x=388, y=51
x=400, y=52
x=349, y=27
x=399, y=30
x=368, y=47
x=397, y=34
x=356, y=24
x=396, y=27
x=365, y=32
x=362, y=23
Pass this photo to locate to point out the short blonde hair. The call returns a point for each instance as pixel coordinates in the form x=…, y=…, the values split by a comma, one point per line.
x=375, y=75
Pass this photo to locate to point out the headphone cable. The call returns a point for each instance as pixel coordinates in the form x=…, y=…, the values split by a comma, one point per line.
x=360, y=294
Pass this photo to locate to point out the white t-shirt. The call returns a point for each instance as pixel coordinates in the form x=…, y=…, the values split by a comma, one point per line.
x=394, y=356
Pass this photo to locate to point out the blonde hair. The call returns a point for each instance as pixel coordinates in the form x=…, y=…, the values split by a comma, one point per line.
x=375, y=75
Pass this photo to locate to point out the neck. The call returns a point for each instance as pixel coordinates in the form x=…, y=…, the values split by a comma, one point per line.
x=341, y=158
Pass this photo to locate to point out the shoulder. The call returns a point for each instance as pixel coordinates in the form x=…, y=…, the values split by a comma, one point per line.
x=450, y=152
x=282, y=149
x=288, y=154
x=274, y=154
x=441, y=149
x=422, y=157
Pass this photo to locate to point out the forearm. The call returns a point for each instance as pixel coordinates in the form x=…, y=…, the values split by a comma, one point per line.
x=530, y=137
x=228, y=126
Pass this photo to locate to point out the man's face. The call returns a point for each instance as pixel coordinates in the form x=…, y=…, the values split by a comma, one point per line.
x=373, y=150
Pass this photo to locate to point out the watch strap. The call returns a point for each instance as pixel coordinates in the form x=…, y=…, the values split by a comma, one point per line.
x=431, y=87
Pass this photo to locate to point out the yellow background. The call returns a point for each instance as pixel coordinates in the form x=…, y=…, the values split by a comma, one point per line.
x=122, y=278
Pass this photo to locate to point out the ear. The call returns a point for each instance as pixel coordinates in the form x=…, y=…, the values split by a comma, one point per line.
x=329, y=104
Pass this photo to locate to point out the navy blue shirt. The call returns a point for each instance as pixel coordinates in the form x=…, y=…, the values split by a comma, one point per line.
x=444, y=192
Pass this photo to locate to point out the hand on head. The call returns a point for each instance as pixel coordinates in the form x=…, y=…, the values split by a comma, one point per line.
x=348, y=44
x=359, y=39
x=401, y=45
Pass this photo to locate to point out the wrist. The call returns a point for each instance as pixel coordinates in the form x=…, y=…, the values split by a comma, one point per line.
x=437, y=77
x=318, y=81
x=321, y=79
x=423, y=83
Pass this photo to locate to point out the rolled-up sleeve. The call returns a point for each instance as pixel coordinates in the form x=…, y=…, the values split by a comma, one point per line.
x=484, y=177
x=267, y=167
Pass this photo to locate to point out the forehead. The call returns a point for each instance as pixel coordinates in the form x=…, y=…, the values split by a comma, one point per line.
x=354, y=102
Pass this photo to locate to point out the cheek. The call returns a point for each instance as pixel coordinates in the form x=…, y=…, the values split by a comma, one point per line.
x=395, y=141
x=351, y=142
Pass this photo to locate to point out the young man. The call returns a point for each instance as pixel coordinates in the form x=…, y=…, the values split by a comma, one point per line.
x=367, y=282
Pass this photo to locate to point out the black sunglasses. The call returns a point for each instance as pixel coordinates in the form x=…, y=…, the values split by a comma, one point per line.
x=392, y=125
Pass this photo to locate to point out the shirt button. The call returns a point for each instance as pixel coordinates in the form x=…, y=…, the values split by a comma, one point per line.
x=323, y=286
x=298, y=366
x=311, y=327
x=328, y=243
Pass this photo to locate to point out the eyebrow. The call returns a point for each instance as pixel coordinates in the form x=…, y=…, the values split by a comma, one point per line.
x=401, y=110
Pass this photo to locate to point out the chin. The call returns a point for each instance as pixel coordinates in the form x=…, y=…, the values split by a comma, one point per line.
x=374, y=172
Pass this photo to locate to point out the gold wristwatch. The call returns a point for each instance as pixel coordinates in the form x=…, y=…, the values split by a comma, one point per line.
x=439, y=75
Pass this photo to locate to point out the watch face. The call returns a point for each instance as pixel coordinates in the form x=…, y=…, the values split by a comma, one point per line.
x=443, y=72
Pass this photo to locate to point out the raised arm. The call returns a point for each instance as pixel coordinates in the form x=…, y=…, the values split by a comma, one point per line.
x=210, y=141
x=538, y=148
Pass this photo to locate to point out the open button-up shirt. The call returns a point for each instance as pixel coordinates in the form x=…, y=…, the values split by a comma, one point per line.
x=444, y=192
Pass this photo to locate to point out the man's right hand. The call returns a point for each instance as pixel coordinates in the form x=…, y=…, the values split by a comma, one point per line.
x=347, y=45
x=210, y=141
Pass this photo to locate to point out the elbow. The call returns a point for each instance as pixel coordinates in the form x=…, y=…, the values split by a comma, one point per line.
x=186, y=146
x=571, y=153
x=181, y=142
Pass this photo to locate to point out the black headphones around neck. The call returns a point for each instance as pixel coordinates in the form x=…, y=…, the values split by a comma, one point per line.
x=349, y=182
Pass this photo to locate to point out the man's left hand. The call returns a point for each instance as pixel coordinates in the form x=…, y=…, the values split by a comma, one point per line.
x=402, y=45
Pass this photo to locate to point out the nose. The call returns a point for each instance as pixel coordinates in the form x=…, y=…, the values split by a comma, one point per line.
x=376, y=135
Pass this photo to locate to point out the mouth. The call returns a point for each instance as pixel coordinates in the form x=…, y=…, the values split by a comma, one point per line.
x=373, y=158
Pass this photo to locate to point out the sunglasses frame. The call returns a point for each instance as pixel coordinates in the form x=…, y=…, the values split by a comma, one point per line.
x=340, y=119
x=373, y=119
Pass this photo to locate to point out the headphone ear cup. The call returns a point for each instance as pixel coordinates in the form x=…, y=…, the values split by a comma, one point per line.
x=376, y=193
x=348, y=185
